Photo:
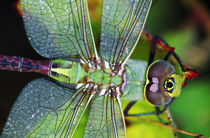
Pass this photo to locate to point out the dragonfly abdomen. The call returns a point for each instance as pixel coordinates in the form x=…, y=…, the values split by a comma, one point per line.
x=20, y=64
x=67, y=71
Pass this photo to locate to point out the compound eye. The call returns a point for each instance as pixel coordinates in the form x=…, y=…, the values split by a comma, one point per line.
x=158, y=85
x=156, y=95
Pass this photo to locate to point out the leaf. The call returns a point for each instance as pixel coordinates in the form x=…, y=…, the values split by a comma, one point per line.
x=138, y=128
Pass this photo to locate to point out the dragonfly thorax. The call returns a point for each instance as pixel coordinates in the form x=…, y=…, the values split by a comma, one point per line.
x=99, y=75
x=105, y=79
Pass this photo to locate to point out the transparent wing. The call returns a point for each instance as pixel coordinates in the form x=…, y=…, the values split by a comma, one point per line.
x=105, y=118
x=122, y=24
x=45, y=109
x=59, y=28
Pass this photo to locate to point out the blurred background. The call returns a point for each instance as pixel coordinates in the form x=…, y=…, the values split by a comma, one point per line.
x=184, y=24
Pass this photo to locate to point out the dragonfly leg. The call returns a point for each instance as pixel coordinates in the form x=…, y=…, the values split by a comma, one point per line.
x=171, y=51
x=152, y=50
x=157, y=111
x=128, y=107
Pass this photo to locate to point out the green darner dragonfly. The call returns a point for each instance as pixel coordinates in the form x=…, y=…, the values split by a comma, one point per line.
x=82, y=79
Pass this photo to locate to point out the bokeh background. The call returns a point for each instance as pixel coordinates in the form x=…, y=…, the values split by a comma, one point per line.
x=184, y=24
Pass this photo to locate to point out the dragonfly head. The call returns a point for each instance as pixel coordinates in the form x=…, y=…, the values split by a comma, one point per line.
x=162, y=83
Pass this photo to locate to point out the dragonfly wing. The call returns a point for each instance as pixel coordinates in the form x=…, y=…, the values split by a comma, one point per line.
x=122, y=24
x=45, y=109
x=105, y=118
x=59, y=29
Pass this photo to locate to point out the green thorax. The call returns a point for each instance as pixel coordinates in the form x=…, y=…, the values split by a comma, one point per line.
x=104, y=77
x=73, y=72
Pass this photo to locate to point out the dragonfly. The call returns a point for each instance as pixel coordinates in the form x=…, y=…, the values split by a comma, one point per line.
x=82, y=83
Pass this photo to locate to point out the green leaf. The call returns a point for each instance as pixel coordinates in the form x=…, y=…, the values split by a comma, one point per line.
x=138, y=128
